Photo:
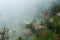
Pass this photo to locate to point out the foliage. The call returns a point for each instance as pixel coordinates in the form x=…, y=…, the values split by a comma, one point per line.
x=48, y=36
x=55, y=8
x=4, y=34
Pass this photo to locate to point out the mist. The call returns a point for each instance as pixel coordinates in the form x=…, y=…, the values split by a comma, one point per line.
x=15, y=12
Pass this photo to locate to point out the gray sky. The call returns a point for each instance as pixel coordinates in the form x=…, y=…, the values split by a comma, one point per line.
x=21, y=10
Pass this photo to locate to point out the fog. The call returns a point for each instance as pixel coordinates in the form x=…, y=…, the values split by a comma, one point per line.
x=15, y=12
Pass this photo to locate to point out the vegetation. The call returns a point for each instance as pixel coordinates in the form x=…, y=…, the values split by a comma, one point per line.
x=4, y=34
x=53, y=28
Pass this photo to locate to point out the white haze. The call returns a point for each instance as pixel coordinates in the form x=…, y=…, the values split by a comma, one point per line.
x=14, y=12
